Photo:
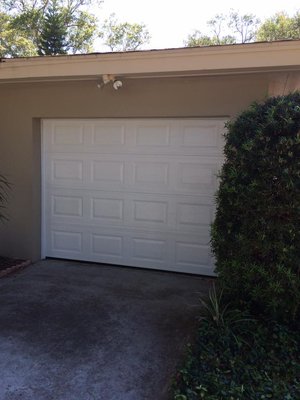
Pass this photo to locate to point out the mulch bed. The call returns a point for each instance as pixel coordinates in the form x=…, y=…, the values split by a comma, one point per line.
x=10, y=265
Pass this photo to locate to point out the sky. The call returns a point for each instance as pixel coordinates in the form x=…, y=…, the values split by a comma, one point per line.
x=171, y=21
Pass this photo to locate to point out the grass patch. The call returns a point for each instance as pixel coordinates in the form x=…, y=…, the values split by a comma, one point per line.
x=250, y=359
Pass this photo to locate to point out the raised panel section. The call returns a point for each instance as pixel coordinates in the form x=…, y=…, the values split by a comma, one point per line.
x=68, y=135
x=153, y=136
x=192, y=253
x=200, y=136
x=67, y=241
x=150, y=211
x=107, y=209
x=150, y=172
x=107, y=135
x=149, y=249
x=107, y=245
x=108, y=171
x=195, y=176
x=194, y=214
x=67, y=206
x=67, y=169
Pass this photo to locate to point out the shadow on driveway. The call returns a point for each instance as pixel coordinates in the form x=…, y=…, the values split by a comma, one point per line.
x=78, y=331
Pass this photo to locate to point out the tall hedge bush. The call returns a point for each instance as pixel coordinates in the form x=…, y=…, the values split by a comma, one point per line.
x=256, y=232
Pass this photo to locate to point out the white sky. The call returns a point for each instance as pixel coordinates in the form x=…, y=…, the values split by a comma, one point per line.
x=171, y=21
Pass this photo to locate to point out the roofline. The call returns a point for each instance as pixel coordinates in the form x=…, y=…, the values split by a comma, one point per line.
x=188, y=61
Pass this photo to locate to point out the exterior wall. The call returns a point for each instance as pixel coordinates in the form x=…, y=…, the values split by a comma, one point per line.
x=22, y=105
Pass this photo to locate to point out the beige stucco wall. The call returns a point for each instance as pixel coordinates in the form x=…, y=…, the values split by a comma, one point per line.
x=22, y=106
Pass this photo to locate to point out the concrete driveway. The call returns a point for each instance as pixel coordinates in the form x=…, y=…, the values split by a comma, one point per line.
x=79, y=331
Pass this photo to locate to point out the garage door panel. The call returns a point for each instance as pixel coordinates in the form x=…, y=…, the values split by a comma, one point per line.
x=153, y=250
x=107, y=245
x=191, y=253
x=68, y=135
x=168, y=177
x=107, y=209
x=192, y=215
x=178, y=252
x=133, y=210
x=176, y=137
x=108, y=172
x=67, y=206
x=196, y=177
x=149, y=135
x=67, y=170
x=66, y=241
x=156, y=173
x=108, y=135
x=205, y=137
x=131, y=192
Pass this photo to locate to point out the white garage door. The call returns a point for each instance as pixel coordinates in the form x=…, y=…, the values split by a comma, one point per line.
x=131, y=192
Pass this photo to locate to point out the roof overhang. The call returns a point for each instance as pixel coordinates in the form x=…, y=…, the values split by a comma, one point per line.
x=281, y=56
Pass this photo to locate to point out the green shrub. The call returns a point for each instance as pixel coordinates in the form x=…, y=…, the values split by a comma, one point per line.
x=4, y=185
x=256, y=232
x=259, y=362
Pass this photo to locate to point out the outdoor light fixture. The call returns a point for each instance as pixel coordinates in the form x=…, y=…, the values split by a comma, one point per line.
x=117, y=84
x=108, y=78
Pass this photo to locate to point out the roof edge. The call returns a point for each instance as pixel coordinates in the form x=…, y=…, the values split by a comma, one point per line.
x=253, y=57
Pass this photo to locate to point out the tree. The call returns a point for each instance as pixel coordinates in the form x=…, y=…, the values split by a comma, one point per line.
x=245, y=26
x=82, y=30
x=53, y=34
x=226, y=29
x=123, y=36
x=199, y=39
x=216, y=25
x=12, y=42
x=28, y=17
x=280, y=27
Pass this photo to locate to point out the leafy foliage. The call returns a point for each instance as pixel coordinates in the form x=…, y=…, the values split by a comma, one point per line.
x=226, y=29
x=30, y=19
x=237, y=28
x=13, y=42
x=216, y=311
x=199, y=39
x=262, y=361
x=280, y=27
x=123, y=36
x=52, y=39
x=256, y=232
x=244, y=26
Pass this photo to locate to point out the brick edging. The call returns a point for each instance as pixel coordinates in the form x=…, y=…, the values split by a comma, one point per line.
x=14, y=268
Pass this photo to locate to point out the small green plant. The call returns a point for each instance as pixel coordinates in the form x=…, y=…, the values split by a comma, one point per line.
x=256, y=232
x=4, y=186
x=218, y=312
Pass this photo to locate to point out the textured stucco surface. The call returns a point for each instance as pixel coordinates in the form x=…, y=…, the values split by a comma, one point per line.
x=23, y=105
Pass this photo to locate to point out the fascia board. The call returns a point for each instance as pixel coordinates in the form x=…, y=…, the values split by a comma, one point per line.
x=254, y=57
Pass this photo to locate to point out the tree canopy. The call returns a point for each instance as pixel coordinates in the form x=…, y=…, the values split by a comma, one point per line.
x=28, y=20
x=13, y=43
x=123, y=36
x=49, y=27
x=237, y=28
x=53, y=34
x=280, y=27
x=226, y=29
